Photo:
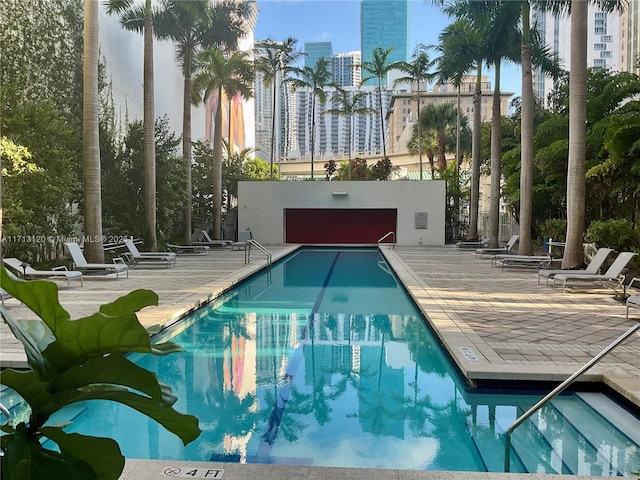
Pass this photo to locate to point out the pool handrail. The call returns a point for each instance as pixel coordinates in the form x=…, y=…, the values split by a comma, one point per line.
x=247, y=251
x=557, y=390
x=5, y=411
x=393, y=237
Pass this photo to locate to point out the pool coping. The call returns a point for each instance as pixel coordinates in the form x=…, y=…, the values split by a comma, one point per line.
x=477, y=360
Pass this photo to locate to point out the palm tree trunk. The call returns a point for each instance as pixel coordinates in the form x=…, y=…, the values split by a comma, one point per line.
x=350, y=140
x=419, y=133
x=150, y=239
x=216, y=172
x=496, y=158
x=384, y=143
x=273, y=129
x=313, y=129
x=186, y=147
x=525, y=246
x=93, y=249
x=576, y=184
x=476, y=147
x=456, y=199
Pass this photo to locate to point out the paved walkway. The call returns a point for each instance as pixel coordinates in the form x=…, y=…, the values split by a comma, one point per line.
x=497, y=325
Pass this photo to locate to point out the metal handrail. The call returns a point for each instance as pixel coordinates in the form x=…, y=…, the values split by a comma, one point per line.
x=5, y=411
x=557, y=390
x=393, y=235
x=247, y=251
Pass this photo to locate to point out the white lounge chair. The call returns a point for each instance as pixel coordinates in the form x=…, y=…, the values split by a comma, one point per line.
x=25, y=271
x=528, y=261
x=633, y=300
x=4, y=295
x=482, y=243
x=203, y=238
x=138, y=257
x=508, y=248
x=613, y=275
x=80, y=263
x=243, y=237
x=188, y=249
x=594, y=266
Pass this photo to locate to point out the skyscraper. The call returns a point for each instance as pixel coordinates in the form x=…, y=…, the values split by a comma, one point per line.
x=316, y=50
x=385, y=24
x=603, y=43
x=630, y=37
x=345, y=73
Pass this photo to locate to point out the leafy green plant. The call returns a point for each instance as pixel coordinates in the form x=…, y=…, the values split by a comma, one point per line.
x=76, y=360
x=618, y=234
x=555, y=228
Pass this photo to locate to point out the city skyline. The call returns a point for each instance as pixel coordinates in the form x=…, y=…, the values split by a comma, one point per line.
x=338, y=22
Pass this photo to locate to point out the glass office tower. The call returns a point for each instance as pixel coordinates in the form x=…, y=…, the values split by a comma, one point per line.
x=384, y=23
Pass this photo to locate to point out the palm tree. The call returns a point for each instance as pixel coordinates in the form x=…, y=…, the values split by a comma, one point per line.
x=462, y=49
x=378, y=68
x=439, y=122
x=193, y=25
x=453, y=68
x=497, y=23
x=576, y=169
x=90, y=141
x=349, y=104
x=417, y=71
x=218, y=75
x=316, y=79
x=138, y=18
x=276, y=62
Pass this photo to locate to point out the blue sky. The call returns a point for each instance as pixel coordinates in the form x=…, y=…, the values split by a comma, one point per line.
x=338, y=21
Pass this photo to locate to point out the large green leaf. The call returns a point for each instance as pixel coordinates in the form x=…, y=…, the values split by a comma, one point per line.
x=97, y=335
x=103, y=455
x=30, y=387
x=183, y=425
x=40, y=296
x=26, y=459
x=112, y=369
x=132, y=302
x=32, y=347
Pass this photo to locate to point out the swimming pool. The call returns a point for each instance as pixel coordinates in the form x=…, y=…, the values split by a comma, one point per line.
x=324, y=360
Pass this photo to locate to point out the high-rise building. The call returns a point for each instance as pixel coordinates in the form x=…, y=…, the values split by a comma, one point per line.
x=345, y=69
x=316, y=50
x=268, y=119
x=385, y=24
x=602, y=43
x=630, y=37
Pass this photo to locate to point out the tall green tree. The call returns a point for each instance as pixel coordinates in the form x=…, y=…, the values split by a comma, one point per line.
x=418, y=71
x=576, y=182
x=378, y=68
x=93, y=249
x=462, y=48
x=218, y=75
x=440, y=123
x=497, y=22
x=453, y=69
x=275, y=65
x=317, y=79
x=350, y=104
x=193, y=25
x=138, y=18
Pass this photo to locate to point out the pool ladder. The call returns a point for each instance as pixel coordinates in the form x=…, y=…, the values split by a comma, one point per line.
x=557, y=390
x=255, y=243
x=393, y=239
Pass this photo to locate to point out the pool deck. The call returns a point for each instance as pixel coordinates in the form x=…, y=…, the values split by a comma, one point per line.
x=497, y=325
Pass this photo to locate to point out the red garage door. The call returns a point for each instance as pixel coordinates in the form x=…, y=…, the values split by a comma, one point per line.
x=326, y=225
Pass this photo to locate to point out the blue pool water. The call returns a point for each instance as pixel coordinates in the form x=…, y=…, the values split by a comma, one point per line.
x=325, y=360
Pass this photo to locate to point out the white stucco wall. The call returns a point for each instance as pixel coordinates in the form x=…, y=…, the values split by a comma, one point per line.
x=261, y=205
